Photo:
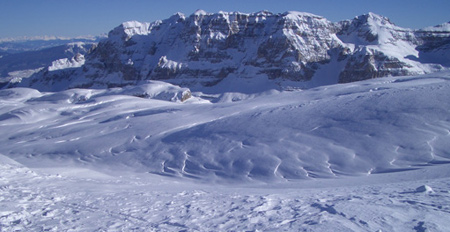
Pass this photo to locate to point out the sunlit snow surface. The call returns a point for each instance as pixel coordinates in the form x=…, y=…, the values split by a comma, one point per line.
x=365, y=156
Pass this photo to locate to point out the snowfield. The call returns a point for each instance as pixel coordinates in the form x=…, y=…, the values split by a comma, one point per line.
x=364, y=156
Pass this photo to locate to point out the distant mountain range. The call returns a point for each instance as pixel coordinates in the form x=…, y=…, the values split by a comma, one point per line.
x=35, y=43
x=225, y=50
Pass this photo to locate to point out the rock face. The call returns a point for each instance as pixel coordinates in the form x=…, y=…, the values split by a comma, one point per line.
x=203, y=49
x=206, y=48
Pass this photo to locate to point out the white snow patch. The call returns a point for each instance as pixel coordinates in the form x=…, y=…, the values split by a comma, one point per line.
x=74, y=62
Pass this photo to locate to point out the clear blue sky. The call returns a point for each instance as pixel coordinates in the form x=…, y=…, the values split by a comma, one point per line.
x=94, y=17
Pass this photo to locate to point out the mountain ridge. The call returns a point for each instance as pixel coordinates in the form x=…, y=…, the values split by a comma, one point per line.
x=203, y=49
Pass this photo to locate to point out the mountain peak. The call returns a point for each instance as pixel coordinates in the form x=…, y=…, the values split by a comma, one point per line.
x=263, y=13
x=300, y=14
x=128, y=29
x=178, y=15
x=370, y=28
x=374, y=19
x=374, y=15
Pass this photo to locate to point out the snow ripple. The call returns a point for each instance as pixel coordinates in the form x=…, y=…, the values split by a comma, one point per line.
x=354, y=129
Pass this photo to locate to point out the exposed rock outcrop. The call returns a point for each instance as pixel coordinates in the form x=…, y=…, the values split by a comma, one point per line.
x=204, y=49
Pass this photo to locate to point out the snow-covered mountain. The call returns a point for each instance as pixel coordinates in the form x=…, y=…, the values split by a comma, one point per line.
x=204, y=49
x=14, y=67
x=384, y=49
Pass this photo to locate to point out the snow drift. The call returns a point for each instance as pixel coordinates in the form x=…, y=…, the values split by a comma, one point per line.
x=356, y=129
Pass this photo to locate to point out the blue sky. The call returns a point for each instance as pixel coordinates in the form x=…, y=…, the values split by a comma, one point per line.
x=94, y=17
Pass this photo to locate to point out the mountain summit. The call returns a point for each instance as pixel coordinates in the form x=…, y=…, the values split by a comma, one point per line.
x=204, y=49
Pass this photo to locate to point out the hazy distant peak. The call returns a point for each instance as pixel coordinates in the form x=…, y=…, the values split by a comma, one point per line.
x=445, y=27
x=49, y=37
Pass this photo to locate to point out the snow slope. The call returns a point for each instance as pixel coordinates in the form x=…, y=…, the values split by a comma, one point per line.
x=364, y=156
x=357, y=129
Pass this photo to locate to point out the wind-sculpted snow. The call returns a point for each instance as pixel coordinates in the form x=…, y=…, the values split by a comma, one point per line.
x=72, y=199
x=69, y=198
x=359, y=129
x=365, y=156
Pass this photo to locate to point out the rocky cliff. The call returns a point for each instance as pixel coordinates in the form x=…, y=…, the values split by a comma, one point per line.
x=203, y=49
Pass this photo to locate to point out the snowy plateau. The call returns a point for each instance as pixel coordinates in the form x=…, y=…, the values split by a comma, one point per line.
x=348, y=130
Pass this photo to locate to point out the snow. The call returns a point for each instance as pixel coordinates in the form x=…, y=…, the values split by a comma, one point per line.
x=206, y=48
x=445, y=27
x=18, y=67
x=293, y=15
x=364, y=156
x=132, y=28
x=424, y=189
x=37, y=199
x=200, y=12
x=24, y=44
x=268, y=155
x=17, y=76
x=65, y=63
